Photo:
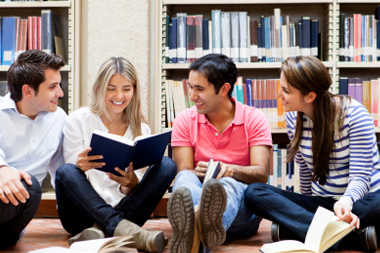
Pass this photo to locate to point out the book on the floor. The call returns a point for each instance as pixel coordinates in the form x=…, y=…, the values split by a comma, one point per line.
x=122, y=244
x=118, y=151
x=324, y=231
x=212, y=171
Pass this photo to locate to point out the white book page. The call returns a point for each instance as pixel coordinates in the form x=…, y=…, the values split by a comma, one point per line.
x=90, y=246
x=54, y=249
x=334, y=231
x=286, y=246
x=114, y=137
x=317, y=227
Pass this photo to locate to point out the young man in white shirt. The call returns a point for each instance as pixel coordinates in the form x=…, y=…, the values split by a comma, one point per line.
x=30, y=138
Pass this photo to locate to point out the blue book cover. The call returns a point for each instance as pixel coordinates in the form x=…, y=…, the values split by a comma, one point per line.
x=299, y=40
x=248, y=83
x=8, y=40
x=205, y=37
x=259, y=44
x=378, y=36
x=267, y=39
x=118, y=151
x=262, y=22
x=343, y=86
x=173, y=44
x=314, y=37
x=306, y=44
x=363, y=39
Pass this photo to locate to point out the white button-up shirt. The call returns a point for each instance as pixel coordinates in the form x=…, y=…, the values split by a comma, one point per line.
x=34, y=146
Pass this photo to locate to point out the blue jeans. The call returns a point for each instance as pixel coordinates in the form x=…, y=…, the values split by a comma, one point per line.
x=294, y=211
x=237, y=219
x=13, y=219
x=80, y=206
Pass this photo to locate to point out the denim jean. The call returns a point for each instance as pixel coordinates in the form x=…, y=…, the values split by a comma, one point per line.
x=237, y=219
x=80, y=206
x=294, y=212
x=13, y=219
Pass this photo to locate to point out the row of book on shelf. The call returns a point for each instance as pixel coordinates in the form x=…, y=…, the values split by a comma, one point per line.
x=261, y=94
x=365, y=92
x=359, y=38
x=284, y=175
x=3, y=88
x=269, y=39
x=35, y=32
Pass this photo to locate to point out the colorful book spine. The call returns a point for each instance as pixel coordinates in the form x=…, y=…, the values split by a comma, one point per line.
x=181, y=37
x=205, y=37
x=198, y=36
x=173, y=43
x=249, y=91
x=9, y=34
x=359, y=89
x=167, y=38
x=314, y=37
x=254, y=40
x=234, y=32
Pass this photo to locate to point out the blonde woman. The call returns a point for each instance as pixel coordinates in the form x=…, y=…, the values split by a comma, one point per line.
x=117, y=205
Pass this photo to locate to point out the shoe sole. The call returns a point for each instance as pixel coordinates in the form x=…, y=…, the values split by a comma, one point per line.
x=180, y=211
x=212, y=206
x=87, y=234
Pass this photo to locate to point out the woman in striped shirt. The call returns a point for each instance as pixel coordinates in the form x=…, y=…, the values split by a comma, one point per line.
x=333, y=141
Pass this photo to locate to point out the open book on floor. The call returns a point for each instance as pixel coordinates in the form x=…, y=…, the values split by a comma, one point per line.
x=118, y=151
x=324, y=231
x=122, y=244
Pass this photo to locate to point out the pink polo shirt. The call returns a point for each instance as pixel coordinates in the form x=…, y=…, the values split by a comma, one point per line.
x=250, y=127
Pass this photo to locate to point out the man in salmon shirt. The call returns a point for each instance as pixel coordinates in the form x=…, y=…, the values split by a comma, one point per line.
x=221, y=128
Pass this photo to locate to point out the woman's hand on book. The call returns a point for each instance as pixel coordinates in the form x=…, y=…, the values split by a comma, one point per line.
x=86, y=163
x=344, y=213
x=128, y=181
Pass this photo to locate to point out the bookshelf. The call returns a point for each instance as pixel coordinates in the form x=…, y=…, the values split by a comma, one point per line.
x=326, y=11
x=323, y=10
x=69, y=11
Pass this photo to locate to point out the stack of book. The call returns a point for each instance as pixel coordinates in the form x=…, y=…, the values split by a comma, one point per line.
x=358, y=38
x=40, y=33
x=260, y=93
x=365, y=92
x=284, y=175
x=269, y=39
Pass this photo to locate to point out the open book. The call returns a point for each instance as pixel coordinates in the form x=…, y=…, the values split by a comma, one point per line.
x=118, y=151
x=324, y=231
x=123, y=244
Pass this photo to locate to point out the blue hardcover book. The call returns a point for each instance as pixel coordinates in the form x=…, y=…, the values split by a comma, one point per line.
x=118, y=151
x=267, y=38
x=168, y=46
x=378, y=36
x=306, y=44
x=173, y=44
x=262, y=21
x=343, y=86
x=299, y=40
x=167, y=38
x=181, y=37
x=370, y=32
x=363, y=39
x=1, y=31
x=255, y=92
x=259, y=44
x=8, y=40
x=314, y=37
x=205, y=37
x=248, y=83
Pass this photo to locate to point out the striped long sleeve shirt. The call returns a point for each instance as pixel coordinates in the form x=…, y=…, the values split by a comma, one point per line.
x=354, y=167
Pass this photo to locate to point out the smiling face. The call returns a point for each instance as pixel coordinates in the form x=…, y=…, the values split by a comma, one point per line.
x=46, y=98
x=119, y=94
x=292, y=99
x=202, y=93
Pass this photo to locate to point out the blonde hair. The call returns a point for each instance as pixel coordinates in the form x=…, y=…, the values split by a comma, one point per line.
x=109, y=68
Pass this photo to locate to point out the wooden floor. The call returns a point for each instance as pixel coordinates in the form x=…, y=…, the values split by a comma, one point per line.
x=42, y=233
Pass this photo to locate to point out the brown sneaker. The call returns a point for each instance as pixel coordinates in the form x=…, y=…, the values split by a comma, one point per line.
x=180, y=211
x=212, y=206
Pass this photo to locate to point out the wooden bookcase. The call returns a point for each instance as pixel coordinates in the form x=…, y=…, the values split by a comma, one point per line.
x=69, y=11
x=326, y=11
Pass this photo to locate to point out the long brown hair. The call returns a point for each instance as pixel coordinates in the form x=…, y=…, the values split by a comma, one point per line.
x=308, y=74
x=109, y=68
